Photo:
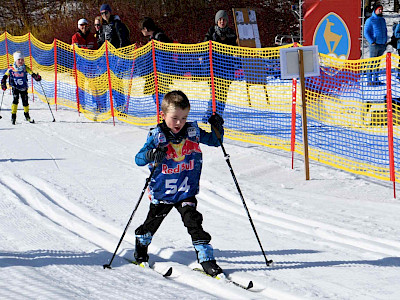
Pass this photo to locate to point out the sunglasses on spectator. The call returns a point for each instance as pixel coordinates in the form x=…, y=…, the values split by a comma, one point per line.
x=97, y=25
x=104, y=12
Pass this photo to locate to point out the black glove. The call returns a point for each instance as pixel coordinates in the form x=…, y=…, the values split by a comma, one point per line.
x=37, y=77
x=4, y=83
x=216, y=121
x=157, y=155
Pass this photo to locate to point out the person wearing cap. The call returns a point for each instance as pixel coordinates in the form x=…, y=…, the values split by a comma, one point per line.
x=18, y=73
x=375, y=32
x=83, y=38
x=220, y=32
x=223, y=34
x=113, y=30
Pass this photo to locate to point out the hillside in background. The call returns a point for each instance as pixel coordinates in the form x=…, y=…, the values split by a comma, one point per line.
x=184, y=21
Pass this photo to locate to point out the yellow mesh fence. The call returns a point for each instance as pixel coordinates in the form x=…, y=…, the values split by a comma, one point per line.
x=346, y=105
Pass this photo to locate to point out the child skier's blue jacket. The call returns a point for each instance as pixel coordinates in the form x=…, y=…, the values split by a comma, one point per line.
x=19, y=76
x=177, y=176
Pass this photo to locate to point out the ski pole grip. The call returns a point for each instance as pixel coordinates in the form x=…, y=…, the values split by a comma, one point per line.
x=217, y=133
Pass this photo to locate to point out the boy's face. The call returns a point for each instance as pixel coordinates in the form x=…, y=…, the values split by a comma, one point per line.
x=20, y=62
x=222, y=23
x=175, y=118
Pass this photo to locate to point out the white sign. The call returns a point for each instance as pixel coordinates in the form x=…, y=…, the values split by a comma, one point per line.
x=289, y=59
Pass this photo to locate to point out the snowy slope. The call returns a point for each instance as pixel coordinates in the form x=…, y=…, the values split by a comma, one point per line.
x=68, y=188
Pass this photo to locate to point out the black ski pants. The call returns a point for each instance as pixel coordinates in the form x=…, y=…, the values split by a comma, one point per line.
x=24, y=97
x=191, y=218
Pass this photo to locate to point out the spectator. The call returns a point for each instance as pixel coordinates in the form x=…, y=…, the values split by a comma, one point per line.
x=376, y=34
x=113, y=30
x=97, y=27
x=223, y=34
x=83, y=38
x=150, y=29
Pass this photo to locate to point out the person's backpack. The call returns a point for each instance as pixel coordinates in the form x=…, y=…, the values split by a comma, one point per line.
x=393, y=39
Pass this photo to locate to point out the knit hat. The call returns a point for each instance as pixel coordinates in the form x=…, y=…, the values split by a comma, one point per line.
x=376, y=6
x=105, y=7
x=221, y=14
x=17, y=55
x=82, y=22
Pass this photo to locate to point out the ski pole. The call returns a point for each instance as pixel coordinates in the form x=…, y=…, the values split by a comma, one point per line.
x=54, y=119
x=108, y=266
x=268, y=262
x=2, y=97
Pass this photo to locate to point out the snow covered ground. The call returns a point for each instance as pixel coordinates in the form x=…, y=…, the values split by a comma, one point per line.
x=68, y=188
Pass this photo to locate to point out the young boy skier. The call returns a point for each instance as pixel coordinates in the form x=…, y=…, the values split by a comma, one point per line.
x=18, y=73
x=173, y=149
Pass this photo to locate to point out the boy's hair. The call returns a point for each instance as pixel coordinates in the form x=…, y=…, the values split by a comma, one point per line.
x=175, y=99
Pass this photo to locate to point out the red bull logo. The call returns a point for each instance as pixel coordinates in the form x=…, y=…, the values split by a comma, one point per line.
x=177, y=152
x=179, y=168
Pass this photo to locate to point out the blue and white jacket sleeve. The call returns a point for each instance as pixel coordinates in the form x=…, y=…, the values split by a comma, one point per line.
x=210, y=138
x=140, y=158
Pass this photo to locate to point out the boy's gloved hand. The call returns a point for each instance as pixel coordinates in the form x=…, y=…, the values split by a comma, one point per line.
x=4, y=83
x=216, y=121
x=157, y=155
x=37, y=77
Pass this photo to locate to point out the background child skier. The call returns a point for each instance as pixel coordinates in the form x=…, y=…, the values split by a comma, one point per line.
x=173, y=149
x=18, y=73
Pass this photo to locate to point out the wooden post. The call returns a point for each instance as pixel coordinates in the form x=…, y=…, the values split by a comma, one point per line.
x=304, y=113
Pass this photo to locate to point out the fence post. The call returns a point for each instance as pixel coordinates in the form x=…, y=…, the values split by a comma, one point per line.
x=212, y=77
x=130, y=79
x=76, y=80
x=155, y=79
x=30, y=59
x=390, y=119
x=55, y=72
x=109, y=83
x=8, y=60
x=293, y=130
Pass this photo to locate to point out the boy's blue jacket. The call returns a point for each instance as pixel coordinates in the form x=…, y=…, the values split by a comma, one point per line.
x=375, y=30
x=177, y=177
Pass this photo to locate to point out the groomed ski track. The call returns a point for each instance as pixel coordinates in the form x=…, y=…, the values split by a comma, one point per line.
x=69, y=187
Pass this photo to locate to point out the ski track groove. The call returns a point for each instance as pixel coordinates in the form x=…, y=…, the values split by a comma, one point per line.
x=311, y=228
x=59, y=210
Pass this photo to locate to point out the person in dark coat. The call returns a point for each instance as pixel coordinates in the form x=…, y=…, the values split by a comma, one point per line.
x=223, y=34
x=150, y=29
x=113, y=30
x=97, y=27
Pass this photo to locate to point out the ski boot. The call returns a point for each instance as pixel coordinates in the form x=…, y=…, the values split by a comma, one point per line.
x=211, y=268
x=28, y=118
x=141, y=255
x=13, y=118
